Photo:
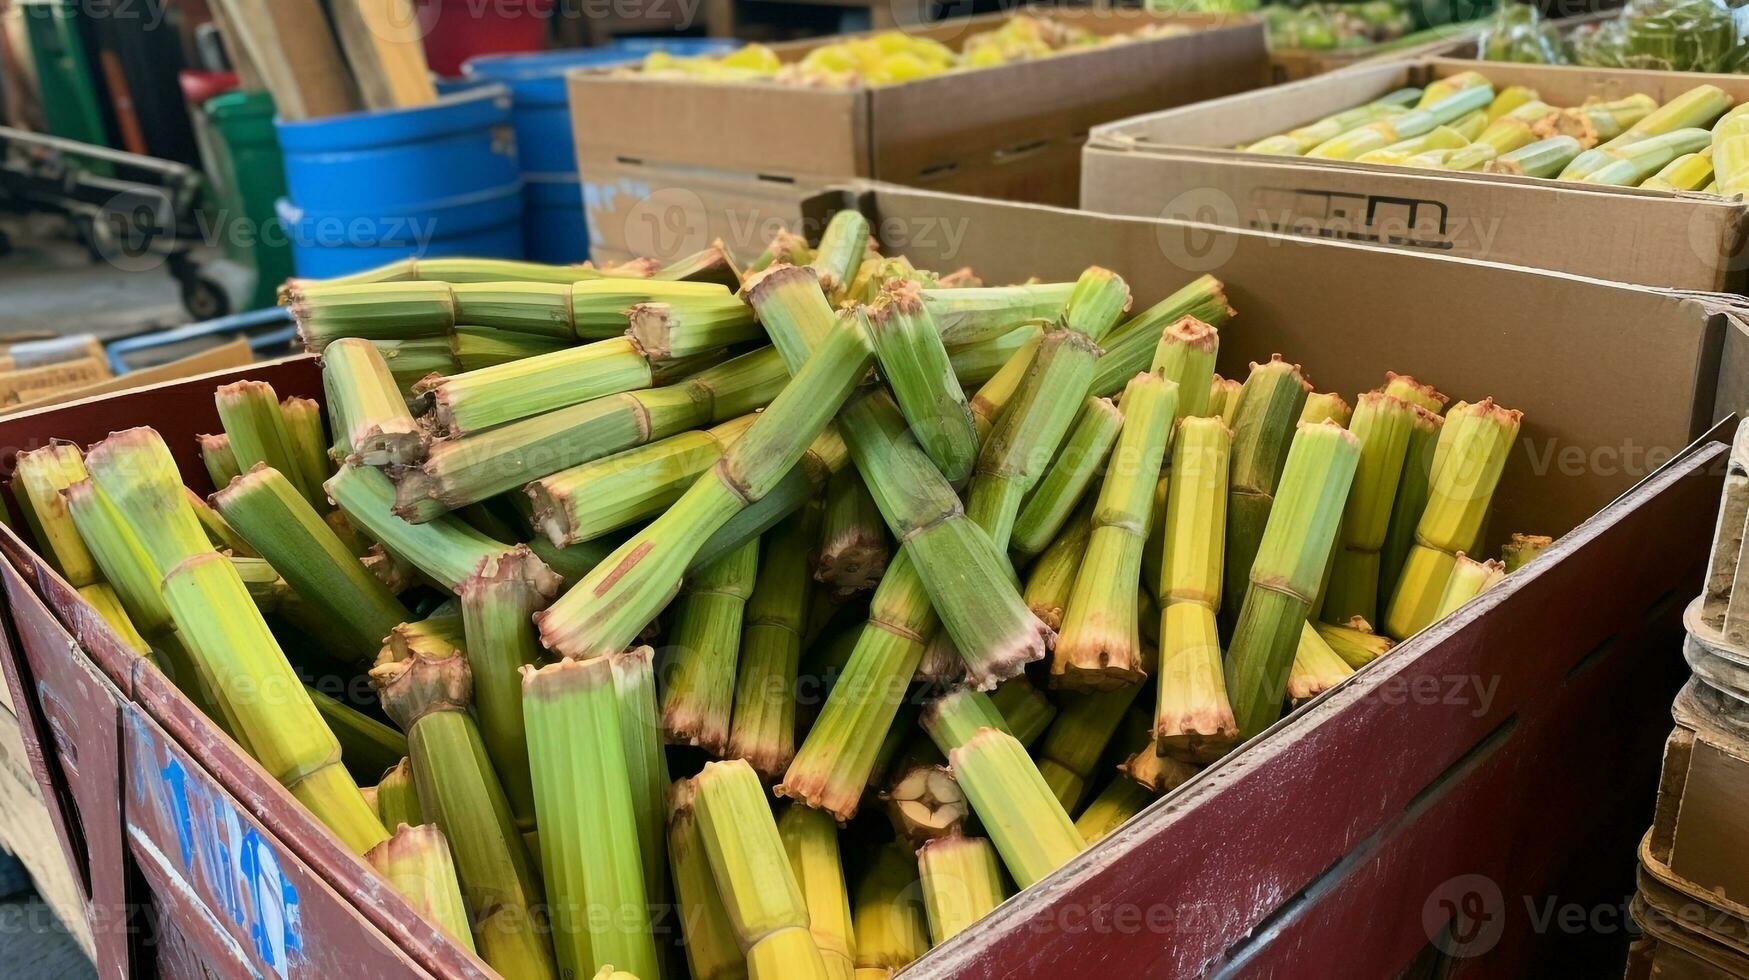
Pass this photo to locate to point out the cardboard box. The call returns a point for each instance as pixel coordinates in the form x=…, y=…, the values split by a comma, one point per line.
x=1340, y=842
x=1013, y=131
x=1179, y=164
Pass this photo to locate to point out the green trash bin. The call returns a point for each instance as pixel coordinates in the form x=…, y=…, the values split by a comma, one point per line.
x=66, y=75
x=240, y=151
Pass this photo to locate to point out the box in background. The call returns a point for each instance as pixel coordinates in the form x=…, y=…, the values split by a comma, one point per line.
x=1180, y=164
x=1013, y=131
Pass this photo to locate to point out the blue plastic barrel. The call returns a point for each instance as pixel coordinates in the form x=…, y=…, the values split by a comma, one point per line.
x=367, y=188
x=553, y=215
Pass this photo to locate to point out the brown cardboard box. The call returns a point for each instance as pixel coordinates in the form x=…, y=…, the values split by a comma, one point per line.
x=1294, y=64
x=1179, y=163
x=1536, y=341
x=1013, y=131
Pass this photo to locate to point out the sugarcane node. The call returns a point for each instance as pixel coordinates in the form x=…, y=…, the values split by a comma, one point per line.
x=421, y=685
x=650, y=327
x=1194, y=333
x=517, y=563
x=773, y=277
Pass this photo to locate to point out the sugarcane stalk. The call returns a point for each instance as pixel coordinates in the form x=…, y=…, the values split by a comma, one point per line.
x=838, y=756
x=699, y=682
x=367, y=412
x=1520, y=549
x=1030, y=829
x=634, y=685
x=1120, y=800
x=1316, y=667
x=763, y=722
x=1077, y=465
x=589, y=830
x=446, y=550
x=1469, y=578
x=38, y=478
x=1018, y=450
x=663, y=333
x=853, y=548
x=498, y=639
x=136, y=474
x=962, y=882
x=256, y=426
x=1052, y=576
x=915, y=365
x=711, y=947
x=309, y=440
x=604, y=611
x=398, y=799
x=1546, y=157
x=970, y=315
x=216, y=456
x=267, y=707
x=463, y=470
x=1689, y=172
x=415, y=860
x=811, y=840
x=925, y=803
x=1086, y=722
x=1473, y=448
x=1263, y=431
x=891, y=931
x=1289, y=568
x=842, y=247
x=754, y=878
x=1354, y=641
x=1193, y=719
x=280, y=524
x=585, y=502
x=479, y=400
x=1628, y=166
x=1383, y=424
x=1099, y=647
x=1224, y=399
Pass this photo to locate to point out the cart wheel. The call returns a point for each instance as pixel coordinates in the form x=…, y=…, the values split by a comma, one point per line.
x=204, y=299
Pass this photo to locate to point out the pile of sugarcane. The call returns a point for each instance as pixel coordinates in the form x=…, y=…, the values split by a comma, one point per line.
x=1694, y=142
x=921, y=585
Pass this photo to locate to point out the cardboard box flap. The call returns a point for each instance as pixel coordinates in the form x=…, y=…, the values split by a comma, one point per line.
x=1613, y=380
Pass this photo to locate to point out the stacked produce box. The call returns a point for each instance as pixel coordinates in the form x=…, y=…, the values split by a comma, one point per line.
x=1693, y=902
x=682, y=151
x=1497, y=162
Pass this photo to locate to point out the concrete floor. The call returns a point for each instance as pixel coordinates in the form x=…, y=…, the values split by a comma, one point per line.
x=49, y=283
x=34, y=945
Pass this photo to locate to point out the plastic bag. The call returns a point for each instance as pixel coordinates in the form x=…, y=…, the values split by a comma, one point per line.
x=1519, y=34
x=1665, y=35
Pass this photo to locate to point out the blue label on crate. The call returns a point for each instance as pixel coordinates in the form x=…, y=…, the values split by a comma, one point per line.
x=224, y=856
